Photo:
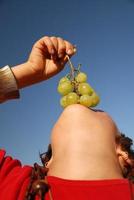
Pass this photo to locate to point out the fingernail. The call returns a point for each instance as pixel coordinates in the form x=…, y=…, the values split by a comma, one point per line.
x=70, y=51
x=52, y=51
x=60, y=55
x=75, y=50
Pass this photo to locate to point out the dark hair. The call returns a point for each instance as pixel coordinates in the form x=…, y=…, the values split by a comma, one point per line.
x=126, y=145
x=45, y=157
x=38, y=185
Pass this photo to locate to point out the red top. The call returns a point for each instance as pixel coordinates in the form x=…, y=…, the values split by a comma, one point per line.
x=14, y=180
x=118, y=189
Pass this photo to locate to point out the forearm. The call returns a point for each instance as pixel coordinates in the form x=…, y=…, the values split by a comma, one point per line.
x=24, y=75
x=13, y=79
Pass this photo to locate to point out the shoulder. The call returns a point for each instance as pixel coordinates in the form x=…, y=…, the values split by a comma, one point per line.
x=12, y=175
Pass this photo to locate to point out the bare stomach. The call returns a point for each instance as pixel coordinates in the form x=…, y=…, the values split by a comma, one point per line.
x=83, y=146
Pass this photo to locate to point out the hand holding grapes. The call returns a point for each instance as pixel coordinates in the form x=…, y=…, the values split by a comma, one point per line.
x=47, y=58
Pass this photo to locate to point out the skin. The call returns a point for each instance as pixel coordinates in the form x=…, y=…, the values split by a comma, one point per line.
x=86, y=149
x=47, y=58
x=83, y=141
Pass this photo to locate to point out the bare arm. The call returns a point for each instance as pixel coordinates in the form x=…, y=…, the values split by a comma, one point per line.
x=47, y=58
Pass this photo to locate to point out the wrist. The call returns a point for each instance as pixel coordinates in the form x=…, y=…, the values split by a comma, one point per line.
x=24, y=75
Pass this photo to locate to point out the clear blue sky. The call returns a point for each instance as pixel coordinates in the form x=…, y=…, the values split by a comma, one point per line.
x=103, y=31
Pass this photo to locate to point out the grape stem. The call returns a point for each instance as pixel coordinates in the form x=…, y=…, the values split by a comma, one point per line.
x=72, y=67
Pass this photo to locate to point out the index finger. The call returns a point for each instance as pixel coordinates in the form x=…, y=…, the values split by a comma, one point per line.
x=70, y=48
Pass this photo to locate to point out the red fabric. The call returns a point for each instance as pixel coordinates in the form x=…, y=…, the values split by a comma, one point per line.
x=90, y=190
x=14, y=180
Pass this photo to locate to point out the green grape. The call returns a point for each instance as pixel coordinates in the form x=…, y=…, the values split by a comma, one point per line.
x=81, y=77
x=65, y=87
x=85, y=88
x=72, y=98
x=75, y=89
x=63, y=101
x=86, y=100
x=95, y=99
x=64, y=79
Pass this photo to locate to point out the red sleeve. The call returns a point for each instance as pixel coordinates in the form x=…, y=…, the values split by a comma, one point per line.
x=133, y=191
x=14, y=178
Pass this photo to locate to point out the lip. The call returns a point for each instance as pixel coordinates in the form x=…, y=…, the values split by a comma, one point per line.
x=97, y=110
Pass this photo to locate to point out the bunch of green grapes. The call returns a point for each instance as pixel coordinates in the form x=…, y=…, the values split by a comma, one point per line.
x=74, y=89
